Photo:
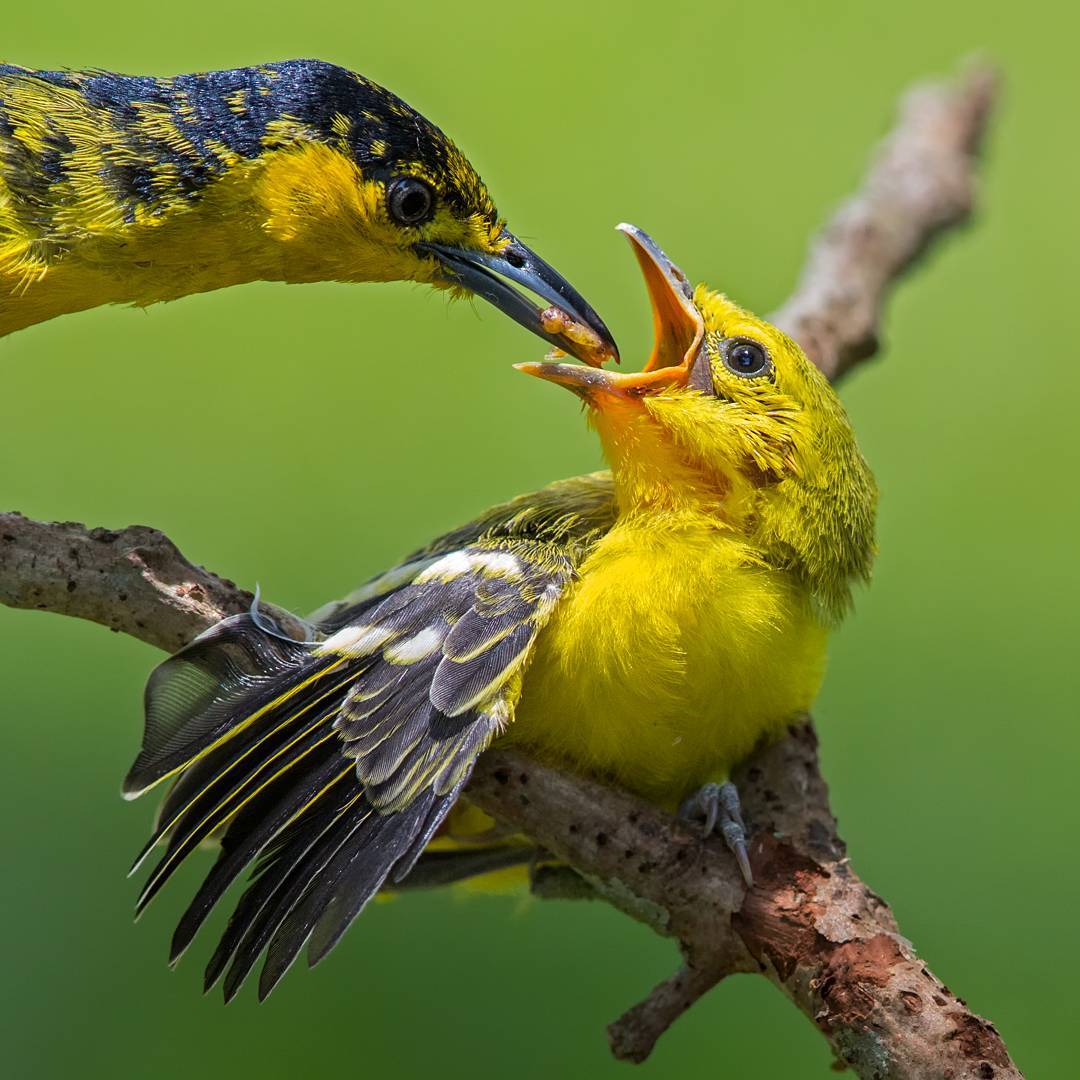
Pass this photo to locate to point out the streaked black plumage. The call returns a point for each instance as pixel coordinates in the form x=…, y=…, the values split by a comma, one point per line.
x=190, y=124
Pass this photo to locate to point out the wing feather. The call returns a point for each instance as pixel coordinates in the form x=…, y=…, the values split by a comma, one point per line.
x=331, y=763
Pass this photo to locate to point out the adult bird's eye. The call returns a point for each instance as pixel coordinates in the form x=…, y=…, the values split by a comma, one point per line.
x=746, y=357
x=410, y=201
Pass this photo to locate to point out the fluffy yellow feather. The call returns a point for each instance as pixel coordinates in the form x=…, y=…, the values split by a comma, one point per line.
x=697, y=624
x=645, y=626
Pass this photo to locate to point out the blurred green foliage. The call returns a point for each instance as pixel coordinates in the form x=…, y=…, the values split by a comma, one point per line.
x=290, y=436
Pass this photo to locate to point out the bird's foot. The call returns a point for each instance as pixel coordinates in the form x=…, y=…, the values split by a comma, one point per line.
x=716, y=804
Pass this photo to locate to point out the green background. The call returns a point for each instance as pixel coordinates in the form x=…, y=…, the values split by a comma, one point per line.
x=303, y=437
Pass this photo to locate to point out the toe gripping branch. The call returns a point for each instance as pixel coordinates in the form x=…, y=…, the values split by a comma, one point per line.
x=713, y=803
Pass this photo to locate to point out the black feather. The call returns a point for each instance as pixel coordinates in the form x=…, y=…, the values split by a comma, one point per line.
x=435, y=869
x=284, y=891
x=209, y=813
x=458, y=684
x=278, y=860
x=347, y=883
x=246, y=838
x=330, y=771
x=194, y=698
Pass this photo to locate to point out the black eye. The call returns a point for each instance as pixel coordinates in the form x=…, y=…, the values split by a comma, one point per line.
x=410, y=201
x=745, y=357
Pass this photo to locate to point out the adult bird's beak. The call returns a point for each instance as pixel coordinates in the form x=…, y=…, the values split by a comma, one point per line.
x=677, y=358
x=575, y=328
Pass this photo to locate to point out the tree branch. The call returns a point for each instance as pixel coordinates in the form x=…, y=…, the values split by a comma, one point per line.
x=810, y=925
x=921, y=183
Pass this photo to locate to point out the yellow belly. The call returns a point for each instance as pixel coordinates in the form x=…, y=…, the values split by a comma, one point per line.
x=668, y=660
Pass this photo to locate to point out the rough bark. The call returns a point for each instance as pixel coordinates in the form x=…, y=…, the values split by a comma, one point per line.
x=809, y=924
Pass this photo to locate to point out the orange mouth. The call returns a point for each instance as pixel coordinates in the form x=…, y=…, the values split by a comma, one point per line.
x=678, y=332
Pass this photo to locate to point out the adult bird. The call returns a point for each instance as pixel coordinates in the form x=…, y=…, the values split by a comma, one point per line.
x=123, y=190
x=646, y=626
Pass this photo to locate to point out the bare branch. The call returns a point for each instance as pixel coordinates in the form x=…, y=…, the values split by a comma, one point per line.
x=634, y=1034
x=134, y=581
x=810, y=924
x=922, y=182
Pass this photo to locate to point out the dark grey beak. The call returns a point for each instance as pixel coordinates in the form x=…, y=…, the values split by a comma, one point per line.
x=484, y=275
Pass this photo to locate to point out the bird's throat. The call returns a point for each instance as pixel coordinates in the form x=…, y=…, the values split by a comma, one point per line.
x=653, y=474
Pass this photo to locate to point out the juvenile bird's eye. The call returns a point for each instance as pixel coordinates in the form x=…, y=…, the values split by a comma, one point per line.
x=745, y=357
x=410, y=201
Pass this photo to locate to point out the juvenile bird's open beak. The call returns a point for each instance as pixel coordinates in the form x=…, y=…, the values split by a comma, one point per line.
x=678, y=332
x=575, y=329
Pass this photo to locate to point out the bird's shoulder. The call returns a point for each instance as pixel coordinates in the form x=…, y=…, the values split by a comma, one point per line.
x=548, y=532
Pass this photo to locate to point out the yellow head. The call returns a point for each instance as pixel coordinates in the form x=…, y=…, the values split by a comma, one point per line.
x=730, y=422
x=356, y=185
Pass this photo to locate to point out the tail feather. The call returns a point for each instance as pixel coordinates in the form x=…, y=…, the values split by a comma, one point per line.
x=369, y=870
x=436, y=869
x=245, y=839
x=210, y=813
x=244, y=751
x=285, y=852
x=346, y=884
x=280, y=885
x=225, y=777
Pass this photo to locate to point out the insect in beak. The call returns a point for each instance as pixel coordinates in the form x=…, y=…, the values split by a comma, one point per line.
x=570, y=323
x=678, y=333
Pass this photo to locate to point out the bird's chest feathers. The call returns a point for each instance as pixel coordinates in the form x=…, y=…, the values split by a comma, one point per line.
x=670, y=657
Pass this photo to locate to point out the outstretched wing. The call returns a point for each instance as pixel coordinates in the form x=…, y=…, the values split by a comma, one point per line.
x=333, y=762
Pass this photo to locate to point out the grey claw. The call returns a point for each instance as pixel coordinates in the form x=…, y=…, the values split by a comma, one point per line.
x=704, y=803
x=735, y=838
x=720, y=802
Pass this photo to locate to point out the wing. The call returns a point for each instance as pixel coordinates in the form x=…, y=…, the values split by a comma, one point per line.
x=569, y=514
x=331, y=763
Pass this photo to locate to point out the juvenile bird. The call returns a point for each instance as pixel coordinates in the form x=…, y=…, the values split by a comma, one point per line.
x=645, y=626
x=117, y=189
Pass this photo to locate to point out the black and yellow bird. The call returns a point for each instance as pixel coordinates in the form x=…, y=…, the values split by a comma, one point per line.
x=646, y=626
x=118, y=189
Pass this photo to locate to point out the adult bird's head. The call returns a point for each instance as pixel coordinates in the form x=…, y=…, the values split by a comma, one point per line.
x=729, y=423
x=130, y=189
x=380, y=190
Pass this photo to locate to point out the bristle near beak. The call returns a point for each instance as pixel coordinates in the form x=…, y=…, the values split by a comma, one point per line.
x=678, y=332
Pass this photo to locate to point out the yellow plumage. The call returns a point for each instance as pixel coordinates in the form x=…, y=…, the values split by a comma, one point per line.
x=645, y=626
x=120, y=189
x=679, y=673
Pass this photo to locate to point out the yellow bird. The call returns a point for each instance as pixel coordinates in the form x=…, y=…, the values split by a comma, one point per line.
x=645, y=626
x=119, y=189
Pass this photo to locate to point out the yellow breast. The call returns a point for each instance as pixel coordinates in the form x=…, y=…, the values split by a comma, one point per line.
x=667, y=661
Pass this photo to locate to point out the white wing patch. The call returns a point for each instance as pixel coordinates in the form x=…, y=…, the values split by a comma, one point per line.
x=355, y=641
x=457, y=563
x=417, y=647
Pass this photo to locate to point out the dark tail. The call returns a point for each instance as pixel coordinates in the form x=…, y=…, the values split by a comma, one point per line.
x=246, y=718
